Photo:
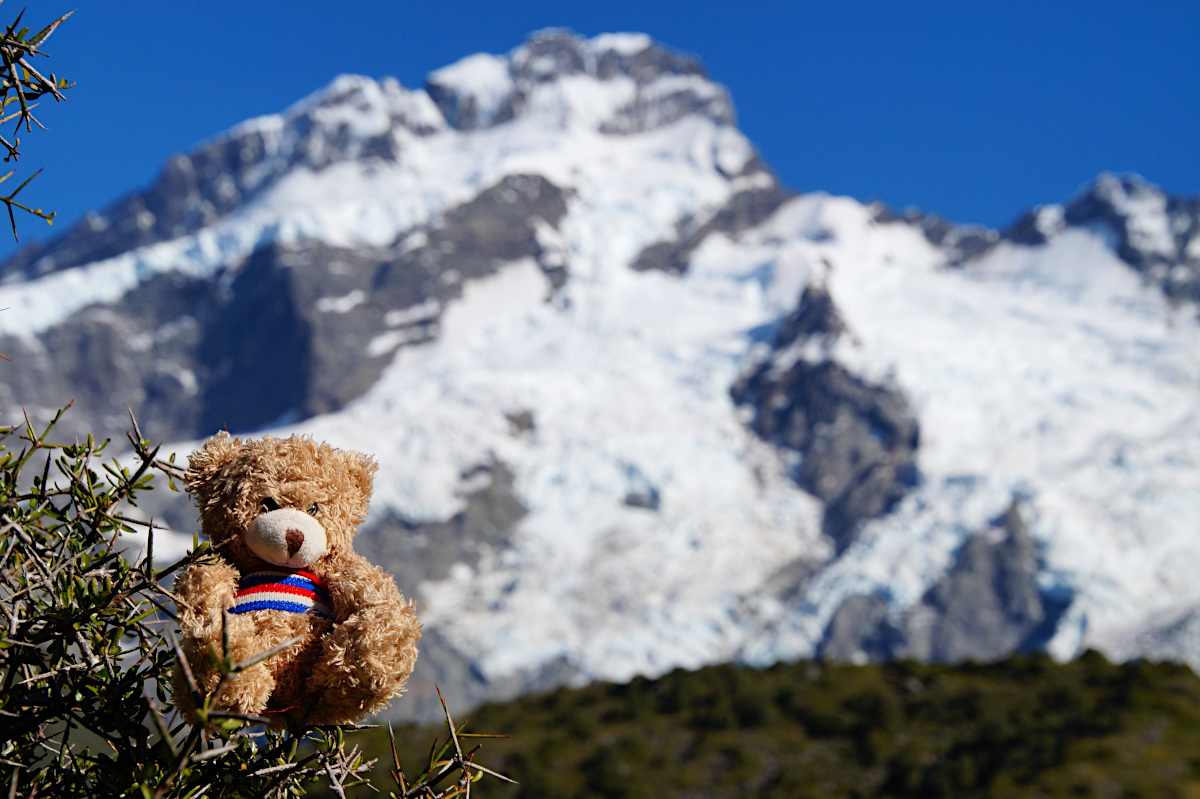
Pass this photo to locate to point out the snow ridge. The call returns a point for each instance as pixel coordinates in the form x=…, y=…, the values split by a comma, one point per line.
x=362, y=162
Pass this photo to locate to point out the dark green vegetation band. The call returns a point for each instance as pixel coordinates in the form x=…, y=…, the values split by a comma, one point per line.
x=1026, y=726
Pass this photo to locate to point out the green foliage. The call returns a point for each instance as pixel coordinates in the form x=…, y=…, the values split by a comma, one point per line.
x=21, y=83
x=1026, y=726
x=84, y=661
x=86, y=654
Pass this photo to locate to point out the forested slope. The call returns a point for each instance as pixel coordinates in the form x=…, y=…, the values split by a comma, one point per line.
x=1026, y=726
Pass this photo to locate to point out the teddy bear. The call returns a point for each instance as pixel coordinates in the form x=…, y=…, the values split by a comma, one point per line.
x=280, y=515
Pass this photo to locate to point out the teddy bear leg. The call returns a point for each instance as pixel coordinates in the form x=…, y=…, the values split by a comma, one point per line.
x=246, y=692
x=364, y=663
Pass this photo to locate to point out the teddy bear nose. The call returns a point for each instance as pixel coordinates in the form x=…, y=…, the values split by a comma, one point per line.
x=295, y=540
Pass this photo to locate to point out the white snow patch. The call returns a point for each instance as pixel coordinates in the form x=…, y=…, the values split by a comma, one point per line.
x=626, y=44
x=420, y=312
x=342, y=304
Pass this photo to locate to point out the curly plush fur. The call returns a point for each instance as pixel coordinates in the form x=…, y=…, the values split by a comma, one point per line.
x=343, y=668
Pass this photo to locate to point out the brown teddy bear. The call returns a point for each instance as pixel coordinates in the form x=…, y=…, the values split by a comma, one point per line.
x=280, y=515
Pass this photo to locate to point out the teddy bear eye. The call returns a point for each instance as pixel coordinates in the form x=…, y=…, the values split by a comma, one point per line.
x=314, y=510
x=269, y=504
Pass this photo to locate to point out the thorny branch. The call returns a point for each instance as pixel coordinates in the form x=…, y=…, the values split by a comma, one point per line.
x=24, y=84
x=443, y=764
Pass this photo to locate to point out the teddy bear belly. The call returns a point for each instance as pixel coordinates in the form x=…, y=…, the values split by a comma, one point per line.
x=291, y=667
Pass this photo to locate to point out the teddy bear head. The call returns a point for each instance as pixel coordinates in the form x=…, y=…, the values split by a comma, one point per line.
x=289, y=502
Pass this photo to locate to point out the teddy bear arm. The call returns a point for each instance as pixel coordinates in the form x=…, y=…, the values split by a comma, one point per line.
x=370, y=651
x=205, y=591
x=358, y=585
x=202, y=590
x=365, y=661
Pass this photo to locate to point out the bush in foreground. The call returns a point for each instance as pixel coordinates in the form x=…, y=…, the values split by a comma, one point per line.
x=86, y=652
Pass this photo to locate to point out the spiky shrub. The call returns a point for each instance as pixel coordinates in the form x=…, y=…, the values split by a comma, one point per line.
x=86, y=650
x=21, y=86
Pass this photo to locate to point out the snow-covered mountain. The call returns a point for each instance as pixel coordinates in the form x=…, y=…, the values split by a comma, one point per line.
x=636, y=405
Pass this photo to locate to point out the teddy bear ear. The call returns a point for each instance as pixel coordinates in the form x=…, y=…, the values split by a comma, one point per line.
x=206, y=463
x=361, y=469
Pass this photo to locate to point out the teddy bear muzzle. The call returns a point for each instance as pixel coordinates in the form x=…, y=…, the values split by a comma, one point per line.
x=287, y=537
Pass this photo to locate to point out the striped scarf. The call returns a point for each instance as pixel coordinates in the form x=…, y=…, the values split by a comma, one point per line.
x=294, y=591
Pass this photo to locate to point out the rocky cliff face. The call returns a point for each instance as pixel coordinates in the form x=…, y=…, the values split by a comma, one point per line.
x=856, y=442
x=636, y=405
x=266, y=338
x=987, y=605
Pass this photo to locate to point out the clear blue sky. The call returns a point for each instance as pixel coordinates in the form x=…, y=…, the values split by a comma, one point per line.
x=972, y=110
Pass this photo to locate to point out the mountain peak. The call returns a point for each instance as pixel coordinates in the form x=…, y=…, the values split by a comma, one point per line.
x=1155, y=233
x=639, y=83
x=1115, y=200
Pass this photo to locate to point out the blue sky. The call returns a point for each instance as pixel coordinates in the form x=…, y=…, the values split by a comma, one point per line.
x=971, y=110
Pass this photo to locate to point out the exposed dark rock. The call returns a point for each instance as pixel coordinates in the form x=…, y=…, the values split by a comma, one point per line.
x=462, y=111
x=259, y=332
x=108, y=359
x=193, y=356
x=551, y=54
x=786, y=585
x=745, y=210
x=499, y=224
x=650, y=109
x=857, y=441
x=789, y=581
x=647, y=498
x=642, y=493
x=860, y=631
x=935, y=228
x=882, y=213
x=1027, y=230
x=968, y=242
x=988, y=604
x=522, y=421
x=1122, y=207
x=960, y=243
x=648, y=65
x=815, y=317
